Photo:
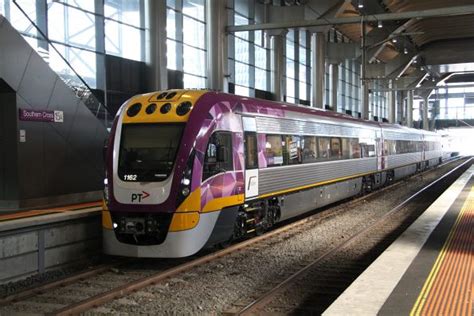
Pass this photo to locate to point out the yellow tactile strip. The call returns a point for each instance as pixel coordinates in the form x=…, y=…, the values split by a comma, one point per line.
x=448, y=288
x=31, y=213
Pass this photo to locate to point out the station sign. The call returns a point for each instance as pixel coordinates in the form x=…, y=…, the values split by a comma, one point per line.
x=41, y=116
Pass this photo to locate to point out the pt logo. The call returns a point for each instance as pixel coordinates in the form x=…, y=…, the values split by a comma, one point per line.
x=138, y=197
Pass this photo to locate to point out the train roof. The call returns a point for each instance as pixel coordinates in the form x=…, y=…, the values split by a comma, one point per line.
x=176, y=97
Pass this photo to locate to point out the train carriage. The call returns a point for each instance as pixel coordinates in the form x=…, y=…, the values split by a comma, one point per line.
x=191, y=168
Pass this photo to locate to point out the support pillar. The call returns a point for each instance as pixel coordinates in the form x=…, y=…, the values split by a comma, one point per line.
x=318, y=51
x=425, y=113
x=216, y=45
x=410, y=108
x=365, y=100
x=392, y=106
x=334, y=75
x=434, y=110
x=277, y=42
x=156, y=59
x=363, y=78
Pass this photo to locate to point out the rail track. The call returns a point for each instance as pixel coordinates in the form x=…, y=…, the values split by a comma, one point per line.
x=119, y=279
x=340, y=274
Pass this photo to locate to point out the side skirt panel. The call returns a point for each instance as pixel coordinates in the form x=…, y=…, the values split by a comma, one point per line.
x=304, y=201
x=224, y=228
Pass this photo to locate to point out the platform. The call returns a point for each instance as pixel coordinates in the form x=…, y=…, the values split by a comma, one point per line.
x=428, y=270
x=15, y=215
x=37, y=241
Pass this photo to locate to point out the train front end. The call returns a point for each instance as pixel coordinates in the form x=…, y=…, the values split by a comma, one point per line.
x=148, y=209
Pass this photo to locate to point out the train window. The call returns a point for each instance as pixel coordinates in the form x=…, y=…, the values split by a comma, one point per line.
x=350, y=148
x=394, y=147
x=336, y=152
x=324, y=147
x=218, y=155
x=292, y=150
x=310, y=149
x=367, y=147
x=148, y=151
x=274, y=150
x=251, y=153
x=420, y=146
x=400, y=147
x=385, y=148
x=355, y=148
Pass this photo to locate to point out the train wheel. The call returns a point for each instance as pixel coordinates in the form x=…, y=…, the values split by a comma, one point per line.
x=367, y=185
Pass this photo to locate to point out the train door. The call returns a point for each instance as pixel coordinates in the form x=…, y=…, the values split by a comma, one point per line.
x=251, y=156
x=380, y=153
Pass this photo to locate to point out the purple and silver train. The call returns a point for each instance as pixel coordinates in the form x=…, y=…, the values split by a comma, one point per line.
x=188, y=169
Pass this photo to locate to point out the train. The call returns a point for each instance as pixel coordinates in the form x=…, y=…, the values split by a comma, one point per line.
x=190, y=169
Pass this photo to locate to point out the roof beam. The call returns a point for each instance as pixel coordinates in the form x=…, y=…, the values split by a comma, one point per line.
x=420, y=14
x=398, y=31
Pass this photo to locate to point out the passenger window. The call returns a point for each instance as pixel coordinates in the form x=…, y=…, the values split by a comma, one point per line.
x=273, y=150
x=251, y=153
x=355, y=151
x=292, y=150
x=324, y=147
x=367, y=147
x=218, y=155
x=350, y=148
x=310, y=149
x=336, y=152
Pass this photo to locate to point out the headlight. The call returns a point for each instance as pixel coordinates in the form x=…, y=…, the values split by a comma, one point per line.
x=106, y=189
x=106, y=194
x=185, y=191
x=185, y=183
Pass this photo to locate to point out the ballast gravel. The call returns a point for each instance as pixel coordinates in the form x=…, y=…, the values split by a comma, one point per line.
x=214, y=287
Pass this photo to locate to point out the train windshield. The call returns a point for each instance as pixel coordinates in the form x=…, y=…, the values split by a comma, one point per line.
x=148, y=151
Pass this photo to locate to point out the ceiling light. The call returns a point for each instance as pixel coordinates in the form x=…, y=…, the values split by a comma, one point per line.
x=415, y=61
x=379, y=24
x=394, y=40
x=405, y=51
x=360, y=4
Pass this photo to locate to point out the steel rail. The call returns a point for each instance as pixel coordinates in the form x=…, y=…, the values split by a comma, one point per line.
x=115, y=293
x=56, y=284
x=267, y=297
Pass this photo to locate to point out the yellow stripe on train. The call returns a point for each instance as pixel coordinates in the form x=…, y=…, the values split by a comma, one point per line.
x=218, y=204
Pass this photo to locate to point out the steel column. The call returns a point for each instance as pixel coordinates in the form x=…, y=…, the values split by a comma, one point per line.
x=318, y=51
x=410, y=108
x=425, y=113
x=216, y=44
x=392, y=107
x=334, y=73
x=400, y=107
x=277, y=42
x=156, y=59
x=363, y=75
